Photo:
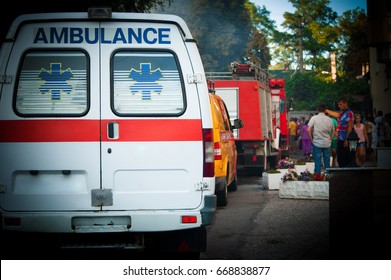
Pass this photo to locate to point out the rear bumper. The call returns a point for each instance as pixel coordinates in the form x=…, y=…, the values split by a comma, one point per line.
x=109, y=221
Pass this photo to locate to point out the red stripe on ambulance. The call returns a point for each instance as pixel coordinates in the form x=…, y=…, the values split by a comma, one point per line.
x=156, y=130
x=89, y=130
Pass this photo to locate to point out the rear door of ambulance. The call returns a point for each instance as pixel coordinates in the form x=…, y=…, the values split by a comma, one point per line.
x=152, y=150
x=84, y=114
x=50, y=121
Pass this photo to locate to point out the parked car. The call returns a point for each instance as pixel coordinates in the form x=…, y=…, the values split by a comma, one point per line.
x=225, y=154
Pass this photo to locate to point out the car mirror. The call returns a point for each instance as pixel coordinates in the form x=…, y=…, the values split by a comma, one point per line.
x=238, y=123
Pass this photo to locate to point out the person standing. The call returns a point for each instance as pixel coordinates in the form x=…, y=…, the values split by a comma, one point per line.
x=379, y=118
x=321, y=131
x=292, y=135
x=363, y=142
x=334, y=143
x=345, y=126
x=379, y=122
x=305, y=140
x=299, y=130
x=368, y=124
x=373, y=155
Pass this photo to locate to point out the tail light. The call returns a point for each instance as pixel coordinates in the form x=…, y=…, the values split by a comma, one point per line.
x=217, y=151
x=13, y=222
x=189, y=219
x=208, y=153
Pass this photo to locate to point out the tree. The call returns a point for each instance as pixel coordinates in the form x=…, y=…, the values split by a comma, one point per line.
x=309, y=89
x=313, y=29
x=346, y=36
x=284, y=51
x=353, y=46
x=262, y=34
x=260, y=19
x=257, y=51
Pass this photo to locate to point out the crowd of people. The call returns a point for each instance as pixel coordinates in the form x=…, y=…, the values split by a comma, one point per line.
x=324, y=136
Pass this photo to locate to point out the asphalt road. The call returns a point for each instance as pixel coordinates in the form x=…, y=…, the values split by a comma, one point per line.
x=258, y=225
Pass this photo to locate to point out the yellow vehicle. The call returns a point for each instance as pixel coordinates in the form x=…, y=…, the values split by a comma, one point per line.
x=225, y=154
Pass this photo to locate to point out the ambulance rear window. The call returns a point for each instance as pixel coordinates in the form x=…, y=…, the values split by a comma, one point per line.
x=52, y=83
x=147, y=84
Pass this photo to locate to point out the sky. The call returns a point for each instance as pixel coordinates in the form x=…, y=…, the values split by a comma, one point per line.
x=278, y=7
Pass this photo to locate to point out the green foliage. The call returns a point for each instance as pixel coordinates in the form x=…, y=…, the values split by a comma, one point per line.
x=309, y=89
x=260, y=18
x=353, y=46
x=257, y=50
x=313, y=26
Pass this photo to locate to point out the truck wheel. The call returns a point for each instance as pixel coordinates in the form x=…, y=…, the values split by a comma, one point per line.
x=233, y=187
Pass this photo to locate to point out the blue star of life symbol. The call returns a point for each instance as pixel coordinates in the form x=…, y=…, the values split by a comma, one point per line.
x=55, y=81
x=146, y=80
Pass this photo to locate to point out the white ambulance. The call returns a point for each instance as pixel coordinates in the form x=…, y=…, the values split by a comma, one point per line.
x=105, y=130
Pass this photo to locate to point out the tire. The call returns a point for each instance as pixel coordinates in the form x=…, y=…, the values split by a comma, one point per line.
x=233, y=187
x=222, y=197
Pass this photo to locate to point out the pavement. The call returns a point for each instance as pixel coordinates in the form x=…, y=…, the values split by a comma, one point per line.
x=259, y=225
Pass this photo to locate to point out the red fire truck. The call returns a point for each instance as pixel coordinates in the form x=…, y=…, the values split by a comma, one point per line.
x=259, y=99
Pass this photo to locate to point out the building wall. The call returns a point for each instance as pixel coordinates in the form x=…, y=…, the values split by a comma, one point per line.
x=379, y=40
x=380, y=85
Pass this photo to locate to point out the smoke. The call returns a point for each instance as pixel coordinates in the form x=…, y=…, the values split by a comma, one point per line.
x=222, y=29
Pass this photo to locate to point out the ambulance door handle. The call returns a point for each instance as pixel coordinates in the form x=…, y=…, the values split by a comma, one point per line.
x=113, y=130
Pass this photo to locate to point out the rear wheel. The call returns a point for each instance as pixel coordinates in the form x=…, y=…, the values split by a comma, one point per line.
x=222, y=196
x=233, y=187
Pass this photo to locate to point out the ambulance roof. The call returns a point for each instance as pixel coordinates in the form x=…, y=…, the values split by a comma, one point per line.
x=115, y=16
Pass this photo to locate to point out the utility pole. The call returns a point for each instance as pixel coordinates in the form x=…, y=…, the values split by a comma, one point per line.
x=333, y=61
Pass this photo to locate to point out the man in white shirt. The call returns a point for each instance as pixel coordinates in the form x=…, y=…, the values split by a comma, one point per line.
x=321, y=131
